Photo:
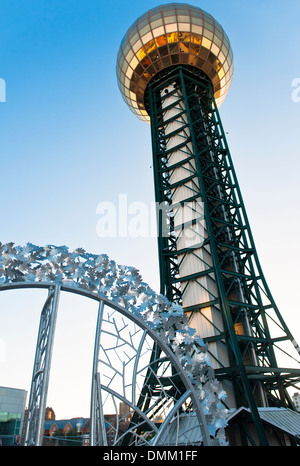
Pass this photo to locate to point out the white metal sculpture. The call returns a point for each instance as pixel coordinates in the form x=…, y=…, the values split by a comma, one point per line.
x=146, y=356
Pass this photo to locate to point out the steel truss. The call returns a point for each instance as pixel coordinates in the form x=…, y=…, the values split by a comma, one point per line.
x=235, y=285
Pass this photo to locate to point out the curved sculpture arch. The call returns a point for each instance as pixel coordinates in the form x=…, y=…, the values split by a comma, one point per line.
x=146, y=357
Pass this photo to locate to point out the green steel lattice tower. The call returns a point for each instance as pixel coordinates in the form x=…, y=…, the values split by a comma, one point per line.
x=174, y=69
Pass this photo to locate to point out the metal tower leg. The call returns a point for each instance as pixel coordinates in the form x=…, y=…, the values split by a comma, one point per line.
x=41, y=370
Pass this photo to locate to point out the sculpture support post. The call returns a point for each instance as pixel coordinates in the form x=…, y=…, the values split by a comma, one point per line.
x=41, y=370
x=97, y=426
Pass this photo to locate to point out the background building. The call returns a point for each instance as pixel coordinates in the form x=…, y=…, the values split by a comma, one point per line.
x=12, y=409
x=66, y=432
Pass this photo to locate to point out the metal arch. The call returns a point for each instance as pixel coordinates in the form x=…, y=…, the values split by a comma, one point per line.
x=41, y=372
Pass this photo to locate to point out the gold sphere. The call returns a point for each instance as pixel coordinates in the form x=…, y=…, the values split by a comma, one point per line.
x=168, y=35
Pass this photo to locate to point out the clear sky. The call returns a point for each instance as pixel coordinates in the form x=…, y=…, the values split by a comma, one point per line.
x=69, y=142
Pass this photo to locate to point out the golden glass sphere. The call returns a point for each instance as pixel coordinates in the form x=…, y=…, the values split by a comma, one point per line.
x=168, y=35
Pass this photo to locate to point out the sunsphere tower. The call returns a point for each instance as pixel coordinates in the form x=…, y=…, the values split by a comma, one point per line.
x=174, y=69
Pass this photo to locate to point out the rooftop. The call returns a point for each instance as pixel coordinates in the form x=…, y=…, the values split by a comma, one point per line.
x=283, y=419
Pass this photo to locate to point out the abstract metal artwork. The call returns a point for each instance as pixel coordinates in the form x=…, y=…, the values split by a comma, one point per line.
x=149, y=368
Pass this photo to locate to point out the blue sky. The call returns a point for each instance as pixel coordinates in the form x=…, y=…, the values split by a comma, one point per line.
x=68, y=142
